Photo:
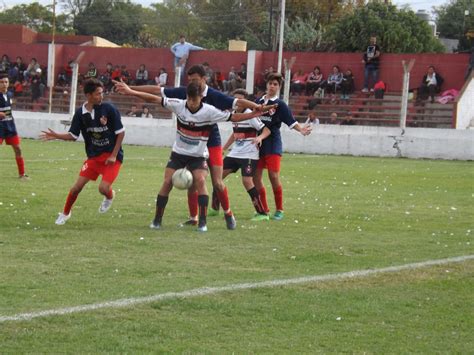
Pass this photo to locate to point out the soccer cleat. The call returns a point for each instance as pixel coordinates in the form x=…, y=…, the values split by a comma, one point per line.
x=202, y=228
x=106, y=204
x=24, y=177
x=189, y=222
x=278, y=216
x=230, y=221
x=155, y=225
x=62, y=218
x=212, y=212
x=260, y=217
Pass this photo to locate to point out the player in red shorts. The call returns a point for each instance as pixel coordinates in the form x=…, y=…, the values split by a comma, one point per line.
x=101, y=127
x=272, y=147
x=8, y=131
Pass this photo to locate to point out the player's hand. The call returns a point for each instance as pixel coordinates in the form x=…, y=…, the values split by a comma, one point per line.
x=306, y=130
x=257, y=141
x=121, y=87
x=110, y=160
x=266, y=108
x=2, y=115
x=48, y=135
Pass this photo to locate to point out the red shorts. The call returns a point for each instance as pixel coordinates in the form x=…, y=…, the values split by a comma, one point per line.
x=215, y=156
x=93, y=167
x=270, y=162
x=15, y=140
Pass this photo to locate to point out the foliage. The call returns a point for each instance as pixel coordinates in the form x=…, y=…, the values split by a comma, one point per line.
x=452, y=23
x=398, y=31
x=303, y=35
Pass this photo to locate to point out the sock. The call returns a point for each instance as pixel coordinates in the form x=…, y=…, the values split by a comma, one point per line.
x=255, y=198
x=71, y=198
x=20, y=163
x=110, y=194
x=203, y=202
x=161, y=202
x=263, y=199
x=278, y=194
x=193, y=204
x=215, y=200
x=224, y=200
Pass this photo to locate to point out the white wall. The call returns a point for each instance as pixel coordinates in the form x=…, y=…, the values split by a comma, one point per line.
x=465, y=107
x=326, y=139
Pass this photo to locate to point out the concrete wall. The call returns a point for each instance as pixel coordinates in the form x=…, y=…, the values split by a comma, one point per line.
x=465, y=106
x=325, y=139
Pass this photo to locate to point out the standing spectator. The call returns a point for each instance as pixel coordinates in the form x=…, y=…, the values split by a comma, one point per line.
x=106, y=78
x=21, y=67
x=141, y=76
x=162, y=79
x=4, y=64
x=334, y=80
x=430, y=85
x=36, y=83
x=31, y=69
x=91, y=72
x=371, y=59
x=209, y=73
x=146, y=112
x=347, y=85
x=314, y=82
x=181, y=51
x=298, y=82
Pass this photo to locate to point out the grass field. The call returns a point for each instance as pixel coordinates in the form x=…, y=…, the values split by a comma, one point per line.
x=342, y=214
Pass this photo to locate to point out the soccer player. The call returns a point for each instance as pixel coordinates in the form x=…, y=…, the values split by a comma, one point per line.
x=247, y=137
x=101, y=127
x=197, y=74
x=7, y=126
x=195, y=121
x=272, y=147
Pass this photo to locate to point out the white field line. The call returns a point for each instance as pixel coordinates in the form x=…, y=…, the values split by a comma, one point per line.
x=77, y=159
x=127, y=302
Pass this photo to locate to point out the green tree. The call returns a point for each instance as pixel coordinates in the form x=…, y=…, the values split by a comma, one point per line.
x=398, y=31
x=453, y=23
x=303, y=35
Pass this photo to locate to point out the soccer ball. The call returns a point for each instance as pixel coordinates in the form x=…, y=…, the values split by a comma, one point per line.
x=182, y=179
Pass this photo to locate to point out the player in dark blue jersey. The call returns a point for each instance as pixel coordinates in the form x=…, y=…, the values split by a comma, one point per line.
x=221, y=101
x=101, y=127
x=7, y=126
x=272, y=147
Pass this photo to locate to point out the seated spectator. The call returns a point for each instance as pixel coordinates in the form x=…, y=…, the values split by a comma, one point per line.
x=125, y=74
x=240, y=80
x=37, y=86
x=430, y=85
x=141, y=76
x=162, y=78
x=116, y=73
x=18, y=88
x=106, y=77
x=146, y=112
x=134, y=112
x=227, y=83
x=21, y=67
x=31, y=69
x=314, y=82
x=13, y=74
x=334, y=80
x=312, y=119
x=4, y=64
x=298, y=82
x=217, y=80
x=209, y=73
x=348, y=121
x=333, y=118
x=91, y=72
x=347, y=85
x=379, y=89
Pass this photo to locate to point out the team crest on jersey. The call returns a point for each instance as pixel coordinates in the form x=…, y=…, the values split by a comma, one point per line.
x=204, y=164
x=84, y=167
x=248, y=169
x=271, y=112
x=191, y=124
x=103, y=120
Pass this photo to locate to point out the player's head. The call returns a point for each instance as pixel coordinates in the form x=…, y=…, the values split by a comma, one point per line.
x=274, y=82
x=197, y=74
x=193, y=96
x=4, y=82
x=240, y=94
x=94, y=91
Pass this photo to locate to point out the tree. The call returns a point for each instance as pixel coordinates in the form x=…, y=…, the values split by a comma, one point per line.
x=398, y=31
x=453, y=23
x=303, y=35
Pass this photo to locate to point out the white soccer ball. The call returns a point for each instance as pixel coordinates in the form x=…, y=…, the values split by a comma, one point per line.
x=182, y=179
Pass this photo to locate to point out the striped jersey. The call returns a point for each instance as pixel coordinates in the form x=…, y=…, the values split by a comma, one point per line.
x=244, y=133
x=7, y=125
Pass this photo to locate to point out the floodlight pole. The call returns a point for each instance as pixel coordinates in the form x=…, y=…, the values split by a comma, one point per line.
x=282, y=30
x=407, y=67
x=52, y=60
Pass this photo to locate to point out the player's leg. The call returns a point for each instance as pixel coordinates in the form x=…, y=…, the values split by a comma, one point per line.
x=71, y=199
x=274, y=176
x=248, y=170
x=109, y=174
x=162, y=198
x=199, y=181
x=20, y=163
x=216, y=167
x=258, y=182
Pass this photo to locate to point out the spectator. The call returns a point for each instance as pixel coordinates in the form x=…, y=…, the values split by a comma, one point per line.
x=227, y=83
x=333, y=118
x=334, y=80
x=91, y=72
x=146, y=112
x=379, y=89
x=430, y=85
x=347, y=85
x=209, y=73
x=21, y=67
x=18, y=88
x=162, y=79
x=298, y=82
x=4, y=64
x=13, y=73
x=181, y=51
x=36, y=86
x=141, y=76
x=134, y=112
x=314, y=82
x=31, y=70
x=106, y=77
x=240, y=80
x=124, y=74
x=312, y=119
x=348, y=121
x=218, y=80
x=116, y=73
x=371, y=59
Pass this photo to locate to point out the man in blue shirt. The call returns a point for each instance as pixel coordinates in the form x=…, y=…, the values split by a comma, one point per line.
x=181, y=51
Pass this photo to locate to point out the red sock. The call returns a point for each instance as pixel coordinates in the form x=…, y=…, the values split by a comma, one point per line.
x=278, y=194
x=21, y=165
x=71, y=198
x=110, y=195
x=263, y=198
x=193, y=203
x=224, y=199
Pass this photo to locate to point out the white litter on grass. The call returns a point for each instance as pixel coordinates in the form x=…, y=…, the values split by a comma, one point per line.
x=207, y=291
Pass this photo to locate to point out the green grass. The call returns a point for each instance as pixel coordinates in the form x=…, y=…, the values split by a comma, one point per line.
x=341, y=214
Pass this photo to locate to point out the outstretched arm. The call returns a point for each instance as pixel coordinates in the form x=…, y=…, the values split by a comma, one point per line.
x=151, y=89
x=305, y=130
x=124, y=89
x=237, y=117
x=50, y=135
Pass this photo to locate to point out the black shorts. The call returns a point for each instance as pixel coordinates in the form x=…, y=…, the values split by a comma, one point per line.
x=179, y=161
x=247, y=166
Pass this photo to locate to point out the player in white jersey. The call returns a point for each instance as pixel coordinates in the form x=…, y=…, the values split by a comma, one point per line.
x=194, y=123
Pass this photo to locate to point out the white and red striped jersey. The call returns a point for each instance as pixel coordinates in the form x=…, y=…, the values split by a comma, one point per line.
x=244, y=133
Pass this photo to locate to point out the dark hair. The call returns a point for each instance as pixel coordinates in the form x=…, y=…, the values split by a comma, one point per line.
x=431, y=66
x=182, y=36
x=3, y=75
x=197, y=69
x=275, y=76
x=193, y=90
x=337, y=66
x=91, y=85
x=316, y=67
x=242, y=92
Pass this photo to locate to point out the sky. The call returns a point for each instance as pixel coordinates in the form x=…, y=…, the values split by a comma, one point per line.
x=414, y=4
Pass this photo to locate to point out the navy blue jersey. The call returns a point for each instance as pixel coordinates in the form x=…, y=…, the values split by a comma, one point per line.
x=273, y=119
x=7, y=125
x=99, y=129
x=211, y=97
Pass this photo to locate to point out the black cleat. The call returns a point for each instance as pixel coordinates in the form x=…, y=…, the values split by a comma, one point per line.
x=230, y=221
